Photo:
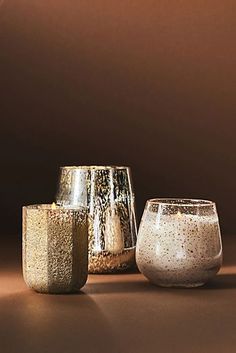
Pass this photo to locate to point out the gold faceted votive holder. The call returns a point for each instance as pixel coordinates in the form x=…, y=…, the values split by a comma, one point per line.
x=55, y=248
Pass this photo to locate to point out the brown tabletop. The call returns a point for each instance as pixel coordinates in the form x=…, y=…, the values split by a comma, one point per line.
x=118, y=313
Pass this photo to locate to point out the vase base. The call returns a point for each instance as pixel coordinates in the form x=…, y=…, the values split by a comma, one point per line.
x=180, y=285
x=106, y=262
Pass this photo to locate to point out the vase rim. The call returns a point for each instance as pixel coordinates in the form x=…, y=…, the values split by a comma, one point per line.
x=95, y=167
x=55, y=207
x=181, y=202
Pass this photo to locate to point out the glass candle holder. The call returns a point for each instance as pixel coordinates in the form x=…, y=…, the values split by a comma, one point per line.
x=55, y=247
x=107, y=193
x=179, y=242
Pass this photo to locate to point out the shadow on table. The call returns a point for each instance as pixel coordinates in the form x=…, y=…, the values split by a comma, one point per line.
x=222, y=281
x=119, y=286
x=57, y=323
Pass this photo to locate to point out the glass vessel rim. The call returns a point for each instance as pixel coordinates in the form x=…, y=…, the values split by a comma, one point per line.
x=52, y=207
x=181, y=202
x=94, y=167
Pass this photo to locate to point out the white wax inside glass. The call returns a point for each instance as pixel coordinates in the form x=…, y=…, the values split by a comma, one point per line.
x=179, y=236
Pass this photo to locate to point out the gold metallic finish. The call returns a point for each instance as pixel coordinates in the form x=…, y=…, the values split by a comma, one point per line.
x=55, y=243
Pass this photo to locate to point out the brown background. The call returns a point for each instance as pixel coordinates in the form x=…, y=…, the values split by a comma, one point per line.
x=150, y=84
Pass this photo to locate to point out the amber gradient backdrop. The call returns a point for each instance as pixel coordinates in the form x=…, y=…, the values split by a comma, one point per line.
x=150, y=84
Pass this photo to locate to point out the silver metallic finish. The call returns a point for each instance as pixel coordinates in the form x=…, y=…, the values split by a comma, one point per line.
x=107, y=193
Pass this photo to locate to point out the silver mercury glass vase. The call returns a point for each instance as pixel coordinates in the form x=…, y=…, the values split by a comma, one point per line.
x=107, y=193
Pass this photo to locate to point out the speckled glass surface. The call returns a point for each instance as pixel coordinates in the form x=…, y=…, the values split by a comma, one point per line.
x=179, y=242
x=55, y=245
x=107, y=193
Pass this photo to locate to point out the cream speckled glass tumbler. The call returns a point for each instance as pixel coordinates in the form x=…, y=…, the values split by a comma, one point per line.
x=55, y=247
x=179, y=242
x=107, y=193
